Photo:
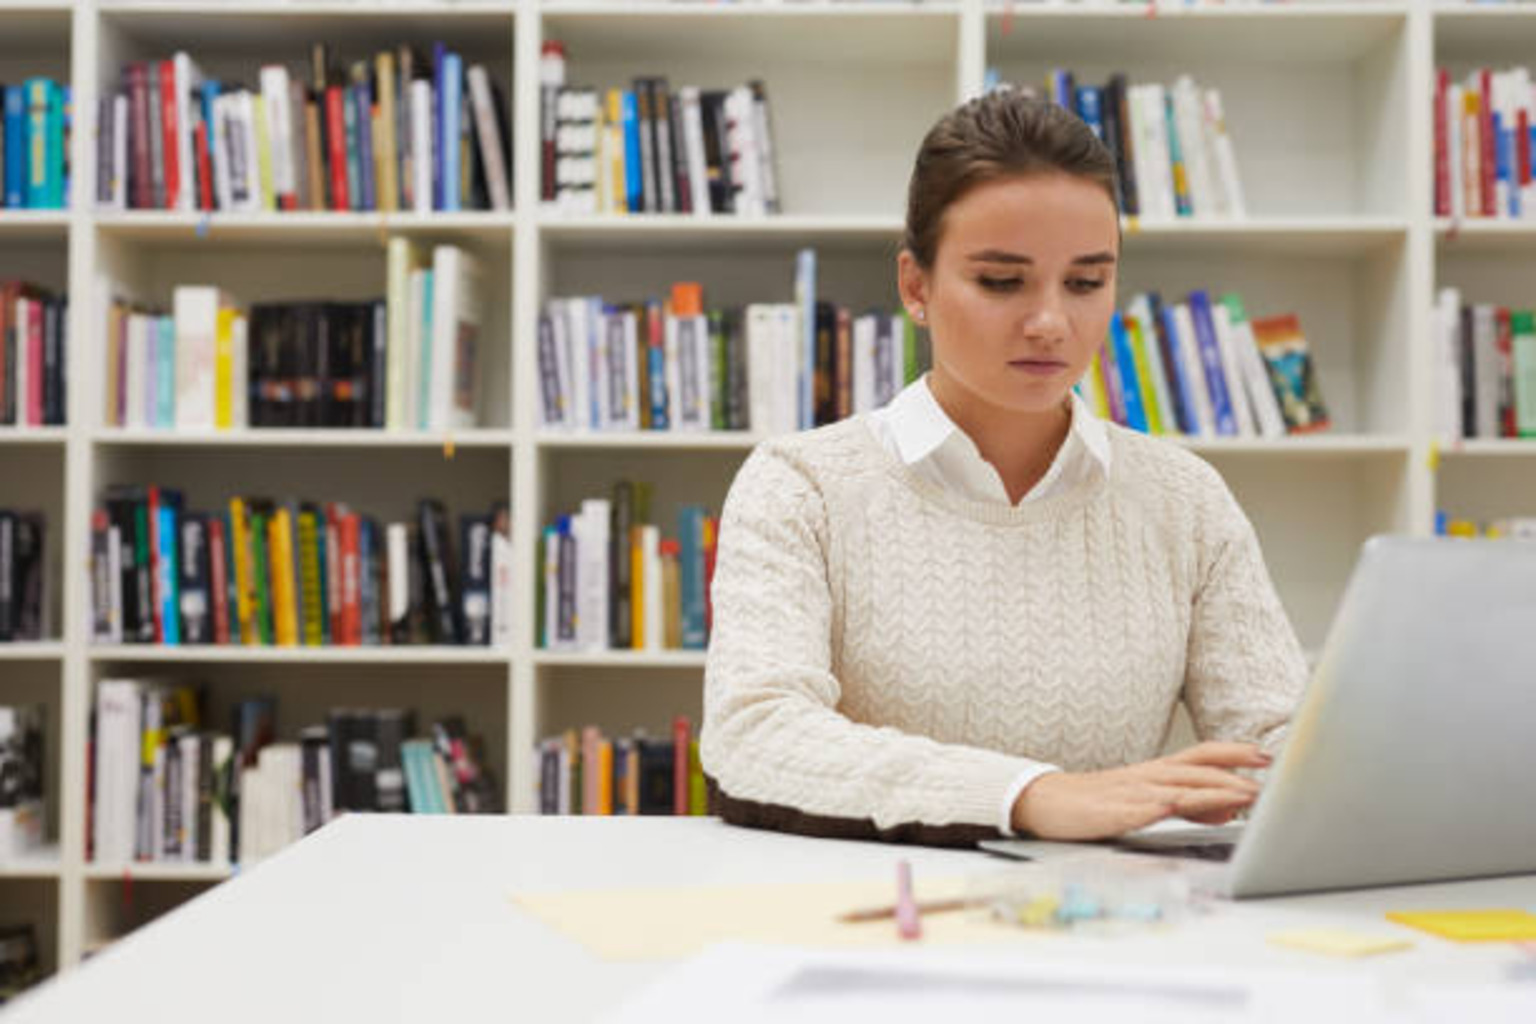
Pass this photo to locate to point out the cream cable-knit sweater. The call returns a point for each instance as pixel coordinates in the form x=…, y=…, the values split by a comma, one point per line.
x=887, y=652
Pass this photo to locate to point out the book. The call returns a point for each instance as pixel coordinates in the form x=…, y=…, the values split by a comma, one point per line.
x=1292, y=371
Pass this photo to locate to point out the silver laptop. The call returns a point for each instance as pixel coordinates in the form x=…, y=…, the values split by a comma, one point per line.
x=1413, y=755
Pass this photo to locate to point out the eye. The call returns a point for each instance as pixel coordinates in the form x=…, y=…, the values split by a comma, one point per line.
x=1085, y=285
x=999, y=284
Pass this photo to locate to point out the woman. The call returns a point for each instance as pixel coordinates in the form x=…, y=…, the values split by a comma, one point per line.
x=973, y=612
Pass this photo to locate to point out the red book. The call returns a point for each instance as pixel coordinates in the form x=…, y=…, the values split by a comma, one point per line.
x=218, y=579
x=155, y=597
x=1523, y=155
x=1505, y=336
x=141, y=176
x=34, y=395
x=351, y=580
x=681, y=728
x=333, y=570
x=169, y=131
x=1442, y=155
x=204, y=167
x=336, y=137
x=1489, y=145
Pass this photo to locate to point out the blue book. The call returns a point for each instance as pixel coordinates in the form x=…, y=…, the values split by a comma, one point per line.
x=634, y=183
x=1501, y=155
x=1176, y=159
x=15, y=146
x=1090, y=108
x=166, y=569
x=690, y=571
x=350, y=127
x=439, y=154
x=424, y=393
x=1125, y=372
x=37, y=189
x=805, y=298
x=56, y=139
x=1210, y=361
x=165, y=372
x=1061, y=89
x=452, y=116
x=1173, y=358
x=231, y=585
x=364, y=103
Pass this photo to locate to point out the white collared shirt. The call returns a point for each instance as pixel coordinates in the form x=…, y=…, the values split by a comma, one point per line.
x=916, y=429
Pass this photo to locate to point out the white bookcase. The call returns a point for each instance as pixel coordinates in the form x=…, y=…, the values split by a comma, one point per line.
x=1328, y=104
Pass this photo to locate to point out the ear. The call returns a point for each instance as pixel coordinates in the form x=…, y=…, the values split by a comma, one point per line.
x=912, y=283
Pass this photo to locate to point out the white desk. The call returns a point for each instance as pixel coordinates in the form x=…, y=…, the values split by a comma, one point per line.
x=400, y=918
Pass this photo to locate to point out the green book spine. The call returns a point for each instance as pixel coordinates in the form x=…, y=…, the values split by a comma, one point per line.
x=1522, y=325
x=261, y=569
x=719, y=357
x=541, y=597
x=309, y=577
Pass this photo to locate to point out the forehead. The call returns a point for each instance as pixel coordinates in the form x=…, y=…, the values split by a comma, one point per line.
x=1053, y=217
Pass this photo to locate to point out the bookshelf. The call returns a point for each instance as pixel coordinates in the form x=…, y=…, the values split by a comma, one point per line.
x=1328, y=106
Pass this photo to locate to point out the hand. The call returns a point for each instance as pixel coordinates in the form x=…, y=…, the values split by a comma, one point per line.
x=1197, y=783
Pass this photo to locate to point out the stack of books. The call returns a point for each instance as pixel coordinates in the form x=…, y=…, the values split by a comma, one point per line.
x=609, y=580
x=21, y=780
x=1486, y=369
x=1202, y=368
x=35, y=130
x=1507, y=528
x=1485, y=134
x=404, y=131
x=294, y=574
x=587, y=772
x=650, y=148
x=165, y=788
x=25, y=601
x=34, y=343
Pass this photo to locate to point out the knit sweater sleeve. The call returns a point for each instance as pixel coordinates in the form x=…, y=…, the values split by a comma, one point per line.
x=776, y=749
x=1245, y=670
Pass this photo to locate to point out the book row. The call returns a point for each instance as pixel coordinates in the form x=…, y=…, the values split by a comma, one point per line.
x=294, y=573
x=21, y=780
x=650, y=148
x=587, y=772
x=406, y=130
x=24, y=587
x=34, y=336
x=166, y=788
x=1173, y=154
x=1484, y=134
x=19, y=965
x=1506, y=528
x=35, y=128
x=672, y=365
x=1486, y=373
x=610, y=580
x=1202, y=368
x=406, y=361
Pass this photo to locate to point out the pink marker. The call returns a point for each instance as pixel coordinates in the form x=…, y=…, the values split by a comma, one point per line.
x=909, y=924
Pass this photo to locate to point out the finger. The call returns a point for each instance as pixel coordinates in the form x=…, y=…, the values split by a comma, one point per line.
x=1203, y=777
x=1210, y=801
x=1218, y=818
x=1223, y=755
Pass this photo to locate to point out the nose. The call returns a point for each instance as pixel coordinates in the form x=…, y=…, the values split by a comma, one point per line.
x=1046, y=319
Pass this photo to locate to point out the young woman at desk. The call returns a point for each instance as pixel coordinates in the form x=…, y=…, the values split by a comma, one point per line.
x=973, y=612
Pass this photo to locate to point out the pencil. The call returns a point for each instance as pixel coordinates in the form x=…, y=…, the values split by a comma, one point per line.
x=929, y=907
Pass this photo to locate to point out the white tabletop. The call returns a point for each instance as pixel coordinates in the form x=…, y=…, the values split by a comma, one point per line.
x=409, y=918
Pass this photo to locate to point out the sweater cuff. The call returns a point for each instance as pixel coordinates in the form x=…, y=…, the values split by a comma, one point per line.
x=1020, y=784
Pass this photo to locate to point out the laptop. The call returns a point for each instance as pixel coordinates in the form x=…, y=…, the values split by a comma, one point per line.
x=1412, y=756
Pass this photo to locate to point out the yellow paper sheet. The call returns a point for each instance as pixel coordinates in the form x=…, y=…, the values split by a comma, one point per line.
x=670, y=923
x=1338, y=941
x=1471, y=925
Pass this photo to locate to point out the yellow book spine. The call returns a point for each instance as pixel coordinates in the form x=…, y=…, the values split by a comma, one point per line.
x=224, y=369
x=698, y=795
x=238, y=537
x=605, y=777
x=388, y=183
x=632, y=779
x=615, y=152
x=636, y=590
x=1097, y=390
x=263, y=153
x=1144, y=375
x=285, y=620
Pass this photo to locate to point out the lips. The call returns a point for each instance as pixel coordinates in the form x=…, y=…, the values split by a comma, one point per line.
x=1037, y=366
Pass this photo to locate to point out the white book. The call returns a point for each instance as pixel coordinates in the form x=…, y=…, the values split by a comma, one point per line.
x=593, y=575
x=1226, y=156
x=578, y=349
x=187, y=78
x=759, y=328
x=1143, y=150
x=1189, y=355
x=118, y=712
x=655, y=610
x=255, y=195
x=120, y=152
x=1156, y=100
x=865, y=338
x=136, y=368
x=790, y=367
x=252, y=794
x=741, y=142
x=488, y=138
x=187, y=849
x=502, y=585
x=195, y=309
x=594, y=326
x=565, y=373
x=1267, y=416
x=892, y=340
x=421, y=144
x=1448, y=364
x=418, y=347
x=693, y=135
x=457, y=316
x=1242, y=413
x=218, y=847
x=1485, y=355
x=1189, y=119
x=762, y=134
x=397, y=538
x=1454, y=100
x=275, y=96
x=327, y=803
x=629, y=337
x=220, y=141
x=1141, y=309
x=401, y=258
x=240, y=350
x=1471, y=153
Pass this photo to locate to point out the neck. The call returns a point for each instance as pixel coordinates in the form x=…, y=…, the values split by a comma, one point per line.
x=1019, y=445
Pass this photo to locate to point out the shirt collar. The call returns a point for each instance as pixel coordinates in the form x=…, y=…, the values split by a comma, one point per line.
x=920, y=425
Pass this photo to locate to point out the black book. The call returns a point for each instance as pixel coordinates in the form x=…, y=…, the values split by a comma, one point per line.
x=170, y=839
x=312, y=367
x=362, y=759
x=681, y=178
x=1117, y=98
x=122, y=512
x=314, y=742
x=7, y=575
x=378, y=363
x=656, y=776
x=443, y=625
x=475, y=577
x=196, y=622
x=825, y=390
x=1468, y=373
x=53, y=362
x=206, y=789
x=31, y=565
x=369, y=561
x=566, y=615
x=645, y=97
x=666, y=164
x=393, y=727
x=736, y=413
x=717, y=153
x=621, y=583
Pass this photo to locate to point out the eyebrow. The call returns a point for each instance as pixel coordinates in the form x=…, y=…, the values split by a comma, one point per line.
x=1003, y=256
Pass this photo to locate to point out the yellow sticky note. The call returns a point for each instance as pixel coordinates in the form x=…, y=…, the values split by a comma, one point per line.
x=1339, y=941
x=1471, y=925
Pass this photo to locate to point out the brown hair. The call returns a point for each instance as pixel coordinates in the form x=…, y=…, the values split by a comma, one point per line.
x=1005, y=133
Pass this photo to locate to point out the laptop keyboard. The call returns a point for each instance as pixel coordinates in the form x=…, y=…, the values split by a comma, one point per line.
x=1198, y=851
